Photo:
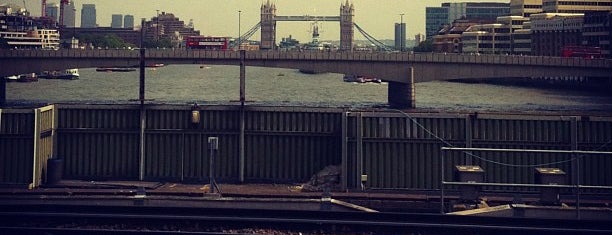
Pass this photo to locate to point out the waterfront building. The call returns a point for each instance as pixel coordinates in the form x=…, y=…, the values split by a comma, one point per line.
x=400, y=36
x=128, y=21
x=449, y=37
x=117, y=21
x=521, y=40
x=165, y=26
x=52, y=11
x=597, y=31
x=88, y=16
x=575, y=6
x=551, y=32
x=35, y=39
x=437, y=17
x=496, y=38
x=525, y=7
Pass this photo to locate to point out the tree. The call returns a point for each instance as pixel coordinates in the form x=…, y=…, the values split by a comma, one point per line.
x=4, y=43
x=105, y=41
x=424, y=46
x=161, y=43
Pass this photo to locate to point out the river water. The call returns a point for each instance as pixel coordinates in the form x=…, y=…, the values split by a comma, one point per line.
x=272, y=86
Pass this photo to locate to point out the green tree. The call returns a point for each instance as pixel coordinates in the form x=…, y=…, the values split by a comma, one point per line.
x=105, y=41
x=424, y=46
x=161, y=43
x=4, y=43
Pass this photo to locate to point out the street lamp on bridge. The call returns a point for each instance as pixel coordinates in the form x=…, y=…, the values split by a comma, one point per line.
x=239, y=36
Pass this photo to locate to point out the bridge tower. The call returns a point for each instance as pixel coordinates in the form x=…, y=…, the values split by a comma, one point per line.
x=347, y=31
x=268, y=26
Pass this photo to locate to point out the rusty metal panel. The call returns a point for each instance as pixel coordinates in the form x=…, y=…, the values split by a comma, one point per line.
x=291, y=146
x=95, y=154
x=404, y=152
x=16, y=146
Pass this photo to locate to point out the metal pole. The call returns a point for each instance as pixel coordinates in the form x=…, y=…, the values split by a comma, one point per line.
x=142, y=98
x=442, y=155
x=241, y=149
x=239, y=36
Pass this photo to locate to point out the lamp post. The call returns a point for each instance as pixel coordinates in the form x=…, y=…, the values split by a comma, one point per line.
x=239, y=36
x=402, y=36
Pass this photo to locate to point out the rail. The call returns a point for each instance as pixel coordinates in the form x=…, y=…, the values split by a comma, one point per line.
x=574, y=159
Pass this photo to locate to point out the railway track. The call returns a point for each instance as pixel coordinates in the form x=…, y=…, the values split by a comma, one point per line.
x=96, y=219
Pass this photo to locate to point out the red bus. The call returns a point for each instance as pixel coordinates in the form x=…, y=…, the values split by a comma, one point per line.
x=582, y=52
x=207, y=43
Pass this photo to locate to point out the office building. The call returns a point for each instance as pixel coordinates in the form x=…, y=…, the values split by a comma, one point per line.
x=167, y=26
x=117, y=21
x=400, y=36
x=597, y=31
x=447, y=13
x=70, y=14
x=525, y=7
x=575, y=6
x=88, y=16
x=128, y=21
x=52, y=11
x=551, y=32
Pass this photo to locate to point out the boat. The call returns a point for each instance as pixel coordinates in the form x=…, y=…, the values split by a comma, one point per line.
x=360, y=79
x=119, y=69
x=12, y=78
x=28, y=77
x=155, y=65
x=69, y=74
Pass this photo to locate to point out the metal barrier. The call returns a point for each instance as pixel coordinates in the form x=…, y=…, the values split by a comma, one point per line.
x=574, y=153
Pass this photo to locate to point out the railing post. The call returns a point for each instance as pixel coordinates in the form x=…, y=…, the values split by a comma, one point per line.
x=241, y=149
x=344, y=150
x=575, y=161
x=2, y=92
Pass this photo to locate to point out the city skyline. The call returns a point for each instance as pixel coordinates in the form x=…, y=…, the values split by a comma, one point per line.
x=220, y=18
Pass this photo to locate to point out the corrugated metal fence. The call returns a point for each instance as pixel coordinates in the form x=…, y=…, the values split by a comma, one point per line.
x=26, y=142
x=394, y=150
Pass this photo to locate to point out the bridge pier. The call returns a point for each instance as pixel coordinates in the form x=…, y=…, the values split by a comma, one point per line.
x=401, y=95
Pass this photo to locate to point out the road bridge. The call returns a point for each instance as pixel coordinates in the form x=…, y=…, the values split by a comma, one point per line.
x=401, y=70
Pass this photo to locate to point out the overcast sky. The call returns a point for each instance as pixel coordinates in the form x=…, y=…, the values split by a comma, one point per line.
x=220, y=17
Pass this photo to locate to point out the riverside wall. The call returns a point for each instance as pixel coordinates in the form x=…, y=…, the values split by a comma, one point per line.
x=395, y=149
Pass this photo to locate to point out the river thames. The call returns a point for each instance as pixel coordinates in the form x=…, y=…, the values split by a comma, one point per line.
x=216, y=84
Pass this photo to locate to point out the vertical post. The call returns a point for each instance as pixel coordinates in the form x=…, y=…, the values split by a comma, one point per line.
x=575, y=161
x=242, y=117
x=442, y=182
x=36, y=139
x=469, y=121
x=359, y=145
x=141, y=97
x=239, y=35
x=344, y=150
x=213, y=146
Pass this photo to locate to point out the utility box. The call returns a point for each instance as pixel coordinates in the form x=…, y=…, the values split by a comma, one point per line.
x=548, y=176
x=469, y=174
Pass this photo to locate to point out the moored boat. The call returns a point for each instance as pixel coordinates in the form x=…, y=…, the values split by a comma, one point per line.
x=69, y=74
x=28, y=77
x=360, y=79
x=119, y=69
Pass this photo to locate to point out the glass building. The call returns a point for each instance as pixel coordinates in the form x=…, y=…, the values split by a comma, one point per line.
x=436, y=17
x=88, y=16
x=117, y=21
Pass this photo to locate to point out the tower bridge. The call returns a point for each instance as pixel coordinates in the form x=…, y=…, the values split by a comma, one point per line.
x=269, y=19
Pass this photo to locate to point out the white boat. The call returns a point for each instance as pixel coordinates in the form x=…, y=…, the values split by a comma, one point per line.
x=12, y=78
x=70, y=74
